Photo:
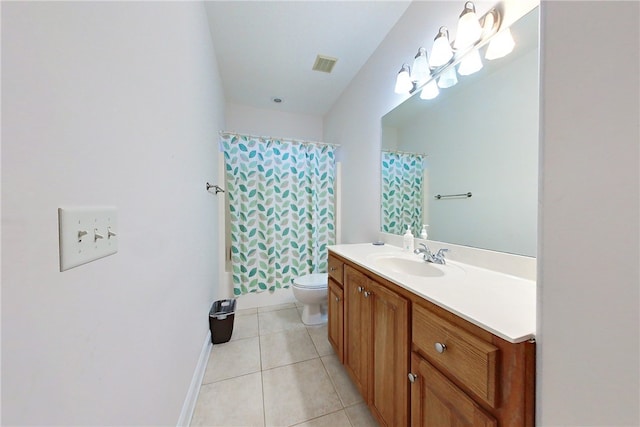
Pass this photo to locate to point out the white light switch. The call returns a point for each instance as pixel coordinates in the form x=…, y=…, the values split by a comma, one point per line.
x=86, y=234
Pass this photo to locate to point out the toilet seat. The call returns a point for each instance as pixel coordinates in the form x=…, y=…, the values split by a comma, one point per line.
x=312, y=281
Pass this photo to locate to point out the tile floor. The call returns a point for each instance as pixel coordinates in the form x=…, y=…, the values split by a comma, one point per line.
x=276, y=371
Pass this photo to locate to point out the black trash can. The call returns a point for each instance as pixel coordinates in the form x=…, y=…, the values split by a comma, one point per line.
x=221, y=320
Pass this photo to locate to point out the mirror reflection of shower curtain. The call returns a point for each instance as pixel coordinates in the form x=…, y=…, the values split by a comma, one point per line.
x=402, y=192
x=281, y=207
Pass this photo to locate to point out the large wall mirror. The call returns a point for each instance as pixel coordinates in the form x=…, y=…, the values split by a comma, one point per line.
x=479, y=137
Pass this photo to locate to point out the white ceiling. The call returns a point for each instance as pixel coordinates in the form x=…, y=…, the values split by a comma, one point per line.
x=266, y=49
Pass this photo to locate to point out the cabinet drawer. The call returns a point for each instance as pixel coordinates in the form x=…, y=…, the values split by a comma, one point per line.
x=465, y=357
x=336, y=268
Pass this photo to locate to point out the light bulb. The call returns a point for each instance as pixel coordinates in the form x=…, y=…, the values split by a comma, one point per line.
x=470, y=64
x=501, y=45
x=469, y=29
x=441, y=52
x=448, y=78
x=403, y=81
x=430, y=91
x=420, y=71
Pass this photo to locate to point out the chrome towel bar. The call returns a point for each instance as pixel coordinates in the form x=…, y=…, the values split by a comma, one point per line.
x=465, y=195
x=215, y=187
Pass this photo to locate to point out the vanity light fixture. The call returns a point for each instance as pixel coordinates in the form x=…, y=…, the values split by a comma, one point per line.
x=501, y=45
x=470, y=64
x=420, y=71
x=472, y=34
x=448, y=78
x=469, y=29
x=430, y=90
x=441, y=53
x=403, y=80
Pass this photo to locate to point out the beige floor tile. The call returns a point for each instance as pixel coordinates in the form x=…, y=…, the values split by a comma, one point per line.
x=232, y=359
x=337, y=419
x=319, y=336
x=347, y=391
x=297, y=393
x=246, y=311
x=233, y=402
x=276, y=307
x=360, y=416
x=281, y=320
x=245, y=326
x=286, y=347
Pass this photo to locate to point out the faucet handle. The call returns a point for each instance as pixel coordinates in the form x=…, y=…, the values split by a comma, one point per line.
x=424, y=249
x=442, y=252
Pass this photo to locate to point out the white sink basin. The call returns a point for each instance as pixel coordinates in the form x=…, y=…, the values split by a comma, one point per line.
x=412, y=265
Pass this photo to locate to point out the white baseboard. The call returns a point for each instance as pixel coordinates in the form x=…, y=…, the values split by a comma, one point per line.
x=196, y=381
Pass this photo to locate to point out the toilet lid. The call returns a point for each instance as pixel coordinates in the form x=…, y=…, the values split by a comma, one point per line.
x=311, y=281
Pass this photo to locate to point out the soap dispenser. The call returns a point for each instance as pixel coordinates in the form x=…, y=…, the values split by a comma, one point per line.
x=407, y=241
x=423, y=233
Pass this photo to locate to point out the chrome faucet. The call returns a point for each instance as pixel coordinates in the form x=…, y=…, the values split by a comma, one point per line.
x=437, y=258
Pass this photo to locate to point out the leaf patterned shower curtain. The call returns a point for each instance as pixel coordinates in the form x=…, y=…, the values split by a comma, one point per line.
x=402, y=181
x=281, y=203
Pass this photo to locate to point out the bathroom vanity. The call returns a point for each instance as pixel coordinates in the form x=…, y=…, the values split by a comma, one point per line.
x=433, y=345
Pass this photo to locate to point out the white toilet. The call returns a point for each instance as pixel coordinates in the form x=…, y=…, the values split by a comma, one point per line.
x=311, y=290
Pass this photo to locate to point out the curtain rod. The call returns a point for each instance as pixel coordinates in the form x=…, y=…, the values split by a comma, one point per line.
x=404, y=152
x=302, y=141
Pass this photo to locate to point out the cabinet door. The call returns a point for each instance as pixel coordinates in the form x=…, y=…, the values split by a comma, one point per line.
x=357, y=329
x=336, y=319
x=389, y=390
x=436, y=401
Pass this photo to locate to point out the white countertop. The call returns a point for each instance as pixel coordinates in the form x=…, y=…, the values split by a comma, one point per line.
x=499, y=303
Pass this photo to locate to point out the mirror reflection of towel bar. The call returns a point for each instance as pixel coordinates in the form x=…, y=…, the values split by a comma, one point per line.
x=465, y=195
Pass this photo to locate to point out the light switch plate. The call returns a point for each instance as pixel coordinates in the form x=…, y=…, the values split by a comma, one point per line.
x=86, y=234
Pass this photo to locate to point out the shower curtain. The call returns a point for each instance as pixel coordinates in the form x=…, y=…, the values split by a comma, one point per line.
x=402, y=181
x=281, y=207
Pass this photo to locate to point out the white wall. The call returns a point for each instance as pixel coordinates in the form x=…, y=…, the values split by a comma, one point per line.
x=277, y=124
x=589, y=326
x=107, y=104
x=588, y=248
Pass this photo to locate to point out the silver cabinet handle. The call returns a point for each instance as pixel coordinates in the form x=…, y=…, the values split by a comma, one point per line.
x=360, y=289
x=440, y=347
x=332, y=269
x=412, y=378
x=337, y=299
x=367, y=293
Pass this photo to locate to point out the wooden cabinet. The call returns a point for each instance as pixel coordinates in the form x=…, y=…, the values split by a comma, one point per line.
x=464, y=356
x=465, y=376
x=377, y=346
x=436, y=401
x=389, y=390
x=335, y=306
x=357, y=328
x=336, y=269
x=336, y=318
x=417, y=364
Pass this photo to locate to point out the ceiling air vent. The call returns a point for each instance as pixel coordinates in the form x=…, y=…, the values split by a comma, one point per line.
x=324, y=63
